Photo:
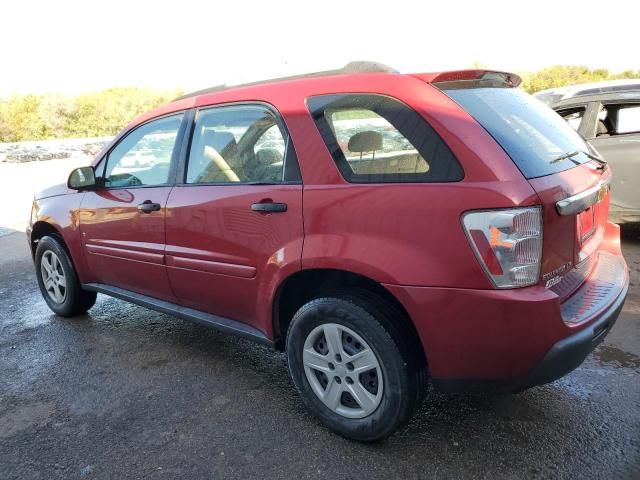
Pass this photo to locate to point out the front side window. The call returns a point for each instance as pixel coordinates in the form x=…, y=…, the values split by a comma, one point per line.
x=374, y=138
x=573, y=116
x=237, y=144
x=143, y=157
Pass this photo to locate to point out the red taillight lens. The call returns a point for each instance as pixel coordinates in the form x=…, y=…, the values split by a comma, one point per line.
x=484, y=250
x=508, y=244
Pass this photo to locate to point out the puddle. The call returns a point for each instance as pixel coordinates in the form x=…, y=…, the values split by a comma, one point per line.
x=609, y=354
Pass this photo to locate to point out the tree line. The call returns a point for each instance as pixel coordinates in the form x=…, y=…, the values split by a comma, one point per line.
x=104, y=113
x=96, y=114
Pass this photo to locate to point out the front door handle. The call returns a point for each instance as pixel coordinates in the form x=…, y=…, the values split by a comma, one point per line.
x=269, y=207
x=148, y=206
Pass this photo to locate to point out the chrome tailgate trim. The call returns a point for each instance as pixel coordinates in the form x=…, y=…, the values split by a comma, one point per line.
x=581, y=201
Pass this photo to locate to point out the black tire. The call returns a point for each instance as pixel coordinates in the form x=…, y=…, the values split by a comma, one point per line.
x=403, y=369
x=76, y=300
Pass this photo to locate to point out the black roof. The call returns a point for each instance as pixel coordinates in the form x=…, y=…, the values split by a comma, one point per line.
x=620, y=96
x=351, y=67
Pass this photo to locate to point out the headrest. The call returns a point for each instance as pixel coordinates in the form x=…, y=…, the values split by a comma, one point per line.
x=268, y=156
x=602, y=128
x=219, y=140
x=367, y=141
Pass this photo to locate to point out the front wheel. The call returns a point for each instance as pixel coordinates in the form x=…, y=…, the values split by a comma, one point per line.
x=352, y=367
x=58, y=281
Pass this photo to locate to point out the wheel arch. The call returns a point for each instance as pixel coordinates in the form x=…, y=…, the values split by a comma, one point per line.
x=41, y=229
x=304, y=285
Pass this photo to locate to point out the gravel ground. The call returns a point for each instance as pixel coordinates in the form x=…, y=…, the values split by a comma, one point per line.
x=124, y=392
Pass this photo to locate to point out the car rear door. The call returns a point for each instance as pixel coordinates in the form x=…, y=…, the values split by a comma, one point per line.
x=123, y=221
x=234, y=222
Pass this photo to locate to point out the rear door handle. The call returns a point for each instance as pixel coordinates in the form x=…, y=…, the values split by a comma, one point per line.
x=269, y=207
x=148, y=206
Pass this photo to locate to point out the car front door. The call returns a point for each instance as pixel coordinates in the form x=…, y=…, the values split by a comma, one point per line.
x=618, y=140
x=234, y=224
x=123, y=222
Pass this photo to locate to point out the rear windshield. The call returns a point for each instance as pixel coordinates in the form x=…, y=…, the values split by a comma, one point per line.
x=532, y=134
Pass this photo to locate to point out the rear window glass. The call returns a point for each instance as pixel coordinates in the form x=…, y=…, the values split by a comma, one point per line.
x=532, y=134
x=376, y=139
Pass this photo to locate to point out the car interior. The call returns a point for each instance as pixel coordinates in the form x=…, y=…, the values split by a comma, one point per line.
x=144, y=156
x=376, y=147
x=217, y=156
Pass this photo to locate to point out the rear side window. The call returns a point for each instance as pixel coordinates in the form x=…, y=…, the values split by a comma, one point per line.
x=239, y=144
x=629, y=119
x=618, y=119
x=536, y=138
x=376, y=139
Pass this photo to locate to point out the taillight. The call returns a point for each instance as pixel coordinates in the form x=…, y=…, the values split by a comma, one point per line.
x=508, y=244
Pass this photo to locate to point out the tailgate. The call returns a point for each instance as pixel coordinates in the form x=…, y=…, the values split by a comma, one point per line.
x=569, y=177
x=575, y=211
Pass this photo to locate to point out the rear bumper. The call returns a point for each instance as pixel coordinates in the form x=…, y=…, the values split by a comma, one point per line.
x=569, y=353
x=511, y=340
x=562, y=358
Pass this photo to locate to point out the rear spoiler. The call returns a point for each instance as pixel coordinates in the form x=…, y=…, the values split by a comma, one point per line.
x=471, y=79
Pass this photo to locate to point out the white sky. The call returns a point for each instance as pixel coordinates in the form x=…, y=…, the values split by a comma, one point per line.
x=73, y=46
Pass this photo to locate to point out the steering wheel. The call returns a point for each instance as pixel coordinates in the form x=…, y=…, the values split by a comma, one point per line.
x=124, y=180
x=213, y=155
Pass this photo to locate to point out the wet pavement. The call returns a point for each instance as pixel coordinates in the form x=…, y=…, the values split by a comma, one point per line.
x=128, y=393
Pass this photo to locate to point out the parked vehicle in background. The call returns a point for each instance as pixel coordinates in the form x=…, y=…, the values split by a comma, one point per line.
x=385, y=230
x=610, y=122
x=551, y=96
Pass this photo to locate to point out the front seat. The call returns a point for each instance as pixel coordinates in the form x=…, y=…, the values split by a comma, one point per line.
x=266, y=166
x=602, y=130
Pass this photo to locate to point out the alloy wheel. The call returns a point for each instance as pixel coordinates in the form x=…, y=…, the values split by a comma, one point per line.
x=53, y=277
x=343, y=370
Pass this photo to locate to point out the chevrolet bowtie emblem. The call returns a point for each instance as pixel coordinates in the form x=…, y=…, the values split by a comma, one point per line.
x=603, y=192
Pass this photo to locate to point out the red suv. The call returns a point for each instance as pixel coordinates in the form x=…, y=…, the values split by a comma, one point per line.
x=385, y=230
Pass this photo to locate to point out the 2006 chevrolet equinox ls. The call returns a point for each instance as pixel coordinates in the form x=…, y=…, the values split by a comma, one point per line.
x=386, y=230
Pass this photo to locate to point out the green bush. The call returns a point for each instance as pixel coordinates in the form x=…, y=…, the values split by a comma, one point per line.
x=563, y=75
x=103, y=113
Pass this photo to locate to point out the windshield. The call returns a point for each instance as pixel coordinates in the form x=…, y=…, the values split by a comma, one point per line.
x=533, y=135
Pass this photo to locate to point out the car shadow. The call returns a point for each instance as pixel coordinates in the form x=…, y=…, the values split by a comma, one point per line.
x=630, y=232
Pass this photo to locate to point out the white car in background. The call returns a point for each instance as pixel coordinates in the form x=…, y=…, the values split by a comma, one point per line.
x=607, y=115
x=551, y=96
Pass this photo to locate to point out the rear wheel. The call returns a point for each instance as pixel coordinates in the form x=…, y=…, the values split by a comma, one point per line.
x=352, y=368
x=58, y=281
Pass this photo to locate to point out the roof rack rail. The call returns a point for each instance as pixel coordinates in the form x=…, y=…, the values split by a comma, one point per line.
x=351, y=67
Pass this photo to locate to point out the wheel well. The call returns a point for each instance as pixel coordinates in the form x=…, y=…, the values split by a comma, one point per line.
x=306, y=285
x=42, y=229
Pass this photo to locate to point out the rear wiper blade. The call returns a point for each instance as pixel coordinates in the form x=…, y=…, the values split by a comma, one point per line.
x=596, y=158
x=567, y=156
x=570, y=155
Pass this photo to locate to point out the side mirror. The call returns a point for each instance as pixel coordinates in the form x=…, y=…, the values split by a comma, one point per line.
x=83, y=178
